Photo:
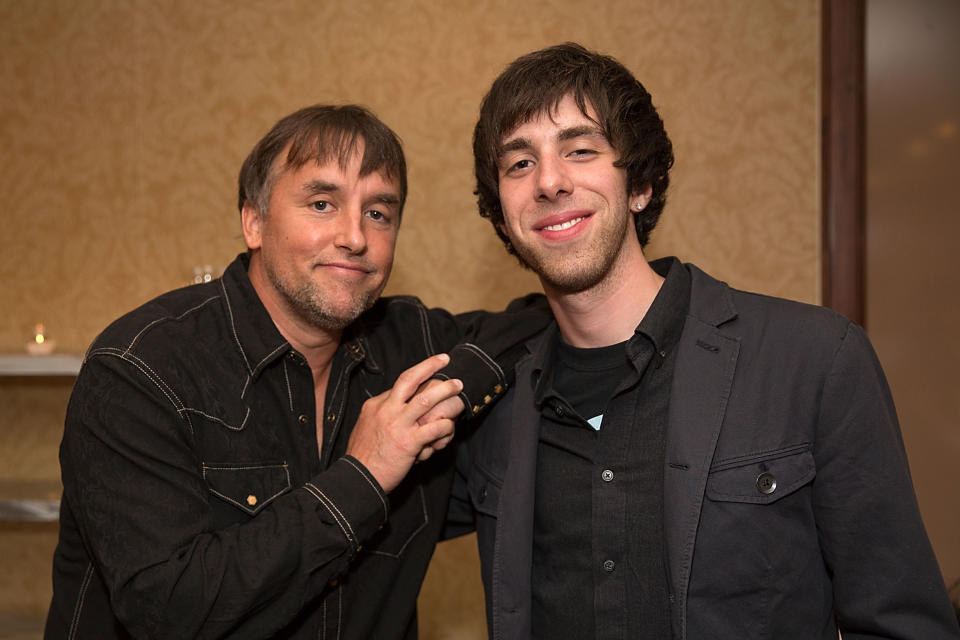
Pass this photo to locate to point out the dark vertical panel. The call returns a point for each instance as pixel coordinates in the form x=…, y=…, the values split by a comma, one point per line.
x=843, y=156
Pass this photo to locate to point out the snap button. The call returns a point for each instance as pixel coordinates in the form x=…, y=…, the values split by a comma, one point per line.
x=303, y=419
x=252, y=500
x=766, y=483
x=487, y=399
x=607, y=475
x=331, y=417
x=476, y=408
x=483, y=493
x=608, y=565
x=558, y=410
x=498, y=388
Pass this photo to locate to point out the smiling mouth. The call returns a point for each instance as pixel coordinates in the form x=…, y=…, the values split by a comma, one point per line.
x=347, y=266
x=564, y=225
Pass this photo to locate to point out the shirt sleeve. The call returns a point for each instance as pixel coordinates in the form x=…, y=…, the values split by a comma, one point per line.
x=885, y=578
x=135, y=487
x=484, y=348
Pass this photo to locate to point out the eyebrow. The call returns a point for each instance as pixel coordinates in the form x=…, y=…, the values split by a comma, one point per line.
x=579, y=131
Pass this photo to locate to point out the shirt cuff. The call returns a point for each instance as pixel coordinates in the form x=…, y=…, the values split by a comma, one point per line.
x=483, y=379
x=352, y=498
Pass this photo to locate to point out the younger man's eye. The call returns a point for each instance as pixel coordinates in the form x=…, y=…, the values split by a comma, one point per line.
x=320, y=205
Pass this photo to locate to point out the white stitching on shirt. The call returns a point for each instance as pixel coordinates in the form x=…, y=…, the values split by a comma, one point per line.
x=233, y=326
x=312, y=490
x=482, y=355
x=424, y=323
x=386, y=508
x=150, y=374
x=81, y=596
x=286, y=378
x=283, y=346
x=216, y=419
x=332, y=507
x=165, y=318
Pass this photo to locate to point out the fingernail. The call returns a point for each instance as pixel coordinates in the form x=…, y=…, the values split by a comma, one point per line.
x=443, y=357
x=459, y=383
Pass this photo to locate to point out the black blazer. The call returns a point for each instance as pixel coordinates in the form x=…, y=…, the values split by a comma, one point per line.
x=759, y=382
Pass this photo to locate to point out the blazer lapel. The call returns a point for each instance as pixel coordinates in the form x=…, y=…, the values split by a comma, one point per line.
x=706, y=361
x=513, y=550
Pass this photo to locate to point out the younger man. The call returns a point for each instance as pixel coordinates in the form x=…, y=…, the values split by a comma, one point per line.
x=677, y=458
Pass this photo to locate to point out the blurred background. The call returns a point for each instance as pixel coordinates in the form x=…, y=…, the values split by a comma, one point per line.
x=123, y=124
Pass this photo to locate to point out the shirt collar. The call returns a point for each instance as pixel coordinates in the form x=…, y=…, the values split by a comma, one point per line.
x=661, y=325
x=663, y=322
x=256, y=336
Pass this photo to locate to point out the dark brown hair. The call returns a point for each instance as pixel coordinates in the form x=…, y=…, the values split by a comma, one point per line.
x=321, y=133
x=536, y=83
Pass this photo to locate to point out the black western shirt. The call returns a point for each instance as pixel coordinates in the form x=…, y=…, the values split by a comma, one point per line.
x=195, y=502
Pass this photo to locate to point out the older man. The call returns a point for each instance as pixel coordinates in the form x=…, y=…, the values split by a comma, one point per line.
x=237, y=455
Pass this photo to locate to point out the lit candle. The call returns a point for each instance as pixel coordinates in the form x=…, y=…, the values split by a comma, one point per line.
x=41, y=344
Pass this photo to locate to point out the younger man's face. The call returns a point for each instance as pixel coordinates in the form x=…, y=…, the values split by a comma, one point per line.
x=564, y=202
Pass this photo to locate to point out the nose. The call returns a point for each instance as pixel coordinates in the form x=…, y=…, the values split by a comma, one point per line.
x=552, y=179
x=350, y=234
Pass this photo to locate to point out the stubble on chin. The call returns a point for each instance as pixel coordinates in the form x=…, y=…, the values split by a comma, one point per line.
x=310, y=302
x=568, y=273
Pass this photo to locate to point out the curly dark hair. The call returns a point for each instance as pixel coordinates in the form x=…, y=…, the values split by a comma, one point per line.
x=536, y=83
x=321, y=133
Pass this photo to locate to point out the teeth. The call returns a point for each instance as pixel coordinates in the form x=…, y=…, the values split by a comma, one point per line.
x=561, y=227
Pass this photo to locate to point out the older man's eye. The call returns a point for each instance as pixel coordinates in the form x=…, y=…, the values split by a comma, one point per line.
x=320, y=205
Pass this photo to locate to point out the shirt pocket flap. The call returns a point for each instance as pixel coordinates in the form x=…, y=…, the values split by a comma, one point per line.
x=247, y=487
x=761, y=479
x=484, y=491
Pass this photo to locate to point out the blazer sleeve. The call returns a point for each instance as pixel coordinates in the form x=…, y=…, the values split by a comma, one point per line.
x=886, y=581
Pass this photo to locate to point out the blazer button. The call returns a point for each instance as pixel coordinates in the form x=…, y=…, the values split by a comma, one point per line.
x=766, y=483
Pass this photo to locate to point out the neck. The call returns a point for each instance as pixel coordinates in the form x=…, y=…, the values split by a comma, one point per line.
x=317, y=345
x=608, y=312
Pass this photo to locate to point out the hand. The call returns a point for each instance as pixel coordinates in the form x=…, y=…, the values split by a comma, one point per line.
x=449, y=409
x=388, y=438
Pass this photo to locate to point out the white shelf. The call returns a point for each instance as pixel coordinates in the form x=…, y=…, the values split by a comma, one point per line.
x=32, y=501
x=55, y=364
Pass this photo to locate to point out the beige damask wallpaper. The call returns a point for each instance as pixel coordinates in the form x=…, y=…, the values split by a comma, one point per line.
x=123, y=124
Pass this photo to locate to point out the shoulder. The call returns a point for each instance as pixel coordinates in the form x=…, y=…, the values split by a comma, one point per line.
x=753, y=314
x=173, y=320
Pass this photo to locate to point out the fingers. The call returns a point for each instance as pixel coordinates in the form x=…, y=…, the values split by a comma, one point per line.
x=450, y=408
x=410, y=380
x=445, y=427
x=432, y=399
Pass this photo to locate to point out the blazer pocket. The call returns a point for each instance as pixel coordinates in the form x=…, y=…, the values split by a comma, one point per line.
x=484, y=491
x=762, y=478
x=249, y=487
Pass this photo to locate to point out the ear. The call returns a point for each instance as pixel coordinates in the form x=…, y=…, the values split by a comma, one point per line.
x=251, y=222
x=640, y=199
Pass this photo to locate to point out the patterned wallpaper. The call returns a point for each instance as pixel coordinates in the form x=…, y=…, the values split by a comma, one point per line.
x=123, y=125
